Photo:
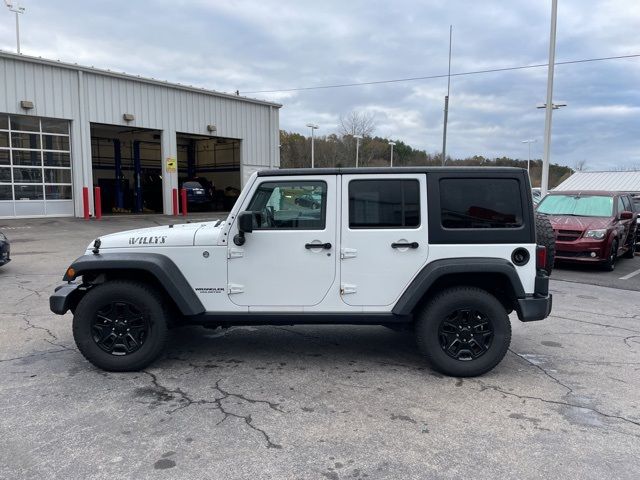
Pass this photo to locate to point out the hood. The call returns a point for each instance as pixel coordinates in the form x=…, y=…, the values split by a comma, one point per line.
x=569, y=222
x=179, y=235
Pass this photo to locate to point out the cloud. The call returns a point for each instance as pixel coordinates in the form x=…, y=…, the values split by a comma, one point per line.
x=250, y=45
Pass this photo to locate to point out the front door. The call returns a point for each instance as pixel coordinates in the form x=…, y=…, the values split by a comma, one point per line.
x=289, y=258
x=384, y=236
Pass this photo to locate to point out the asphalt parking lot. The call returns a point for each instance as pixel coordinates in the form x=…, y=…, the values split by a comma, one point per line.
x=330, y=402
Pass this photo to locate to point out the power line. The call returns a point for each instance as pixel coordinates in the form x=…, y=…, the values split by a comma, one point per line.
x=444, y=75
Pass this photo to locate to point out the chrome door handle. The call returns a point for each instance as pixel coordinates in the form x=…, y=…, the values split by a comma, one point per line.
x=309, y=246
x=405, y=245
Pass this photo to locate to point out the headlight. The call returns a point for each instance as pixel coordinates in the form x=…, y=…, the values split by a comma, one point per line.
x=597, y=234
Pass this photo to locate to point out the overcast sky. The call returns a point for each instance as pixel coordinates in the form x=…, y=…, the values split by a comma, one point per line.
x=251, y=45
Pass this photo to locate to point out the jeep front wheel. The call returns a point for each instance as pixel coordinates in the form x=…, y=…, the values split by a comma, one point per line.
x=120, y=326
x=463, y=332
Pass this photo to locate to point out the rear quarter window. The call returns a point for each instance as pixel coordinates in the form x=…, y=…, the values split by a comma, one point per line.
x=480, y=203
x=480, y=208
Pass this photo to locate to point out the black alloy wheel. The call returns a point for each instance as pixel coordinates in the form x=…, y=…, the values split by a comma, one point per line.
x=120, y=328
x=121, y=325
x=465, y=334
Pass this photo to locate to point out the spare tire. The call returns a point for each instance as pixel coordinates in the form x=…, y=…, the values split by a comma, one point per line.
x=546, y=238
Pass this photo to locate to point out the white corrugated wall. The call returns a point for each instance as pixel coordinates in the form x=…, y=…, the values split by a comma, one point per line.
x=87, y=96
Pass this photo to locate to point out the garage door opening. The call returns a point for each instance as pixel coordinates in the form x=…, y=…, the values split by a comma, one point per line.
x=127, y=166
x=209, y=169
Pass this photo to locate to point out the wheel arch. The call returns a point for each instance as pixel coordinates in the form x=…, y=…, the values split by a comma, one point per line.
x=150, y=268
x=494, y=275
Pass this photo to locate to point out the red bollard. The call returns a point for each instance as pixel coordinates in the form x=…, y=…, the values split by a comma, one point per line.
x=175, y=201
x=183, y=198
x=85, y=202
x=97, y=202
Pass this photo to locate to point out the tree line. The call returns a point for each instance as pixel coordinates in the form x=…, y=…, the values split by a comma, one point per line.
x=339, y=150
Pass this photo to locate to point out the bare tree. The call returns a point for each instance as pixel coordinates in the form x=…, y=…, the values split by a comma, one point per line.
x=357, y=123
x=581, y=165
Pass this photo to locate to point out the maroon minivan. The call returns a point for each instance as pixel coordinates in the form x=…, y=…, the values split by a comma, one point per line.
x=591, y=226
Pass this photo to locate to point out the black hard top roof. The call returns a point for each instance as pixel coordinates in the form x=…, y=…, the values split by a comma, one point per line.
x=387, y=170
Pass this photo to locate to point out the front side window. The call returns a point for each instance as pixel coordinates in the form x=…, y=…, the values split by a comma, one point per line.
x=577, y=205
x=480, y=203
x=290, y=205
x=384, y=203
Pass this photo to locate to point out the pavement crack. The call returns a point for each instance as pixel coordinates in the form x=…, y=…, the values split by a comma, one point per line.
x=543, y=370
x=184, y=400
x=630, y=339
x=39, y=354
x=605, y=325
x=559, y=402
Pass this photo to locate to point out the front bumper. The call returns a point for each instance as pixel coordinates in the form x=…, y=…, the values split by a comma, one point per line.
x=582, y=250
x=64, y=298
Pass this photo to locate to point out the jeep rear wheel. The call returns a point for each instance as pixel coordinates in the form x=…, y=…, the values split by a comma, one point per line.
x=463, y=332
x=120, y=326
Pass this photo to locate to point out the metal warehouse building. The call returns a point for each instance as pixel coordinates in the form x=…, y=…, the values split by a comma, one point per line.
x=64, y=127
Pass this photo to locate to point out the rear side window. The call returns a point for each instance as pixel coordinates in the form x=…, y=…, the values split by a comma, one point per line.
x=384, y=203
x=480, y=203
x=627, y=204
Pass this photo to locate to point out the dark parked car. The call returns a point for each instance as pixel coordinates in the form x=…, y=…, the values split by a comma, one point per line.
x=198, y=197
x=5, y=250
x=591, y=226
x=311, y=200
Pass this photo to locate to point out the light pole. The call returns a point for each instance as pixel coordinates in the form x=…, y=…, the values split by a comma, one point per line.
x=544, y=180
x=529, y=142
x=17, y=9
x=357, y=137
x=392, y=144
x=313, y=127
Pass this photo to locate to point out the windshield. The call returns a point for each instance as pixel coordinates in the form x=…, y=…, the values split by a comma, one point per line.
x=591, y=206
x=192, y=185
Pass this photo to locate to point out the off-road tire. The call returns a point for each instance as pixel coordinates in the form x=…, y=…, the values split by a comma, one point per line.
x=439, y=308
x=546, y=238
x=146, y=299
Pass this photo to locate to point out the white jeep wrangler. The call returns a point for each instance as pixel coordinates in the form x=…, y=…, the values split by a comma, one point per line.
x=449, y=252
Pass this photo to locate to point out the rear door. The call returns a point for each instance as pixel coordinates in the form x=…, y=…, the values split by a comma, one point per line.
x=384, y=239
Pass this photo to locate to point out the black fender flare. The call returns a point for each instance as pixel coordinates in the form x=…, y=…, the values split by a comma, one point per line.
x=440, y=268
x=159, y=266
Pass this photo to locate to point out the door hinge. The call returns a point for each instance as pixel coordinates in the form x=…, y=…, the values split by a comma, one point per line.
x=348, y=253
x=347, y=288
x=235, y=288
x=235, y=253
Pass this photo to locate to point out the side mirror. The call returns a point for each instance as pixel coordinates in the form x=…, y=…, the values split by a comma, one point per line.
x=626, y=215
x=245, y=222
x=245, y=225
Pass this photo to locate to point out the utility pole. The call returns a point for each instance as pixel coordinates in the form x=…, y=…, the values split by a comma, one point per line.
x=446, y=102
x=529, y=142
x=392, y=144
x=17, y=9
x=357, y=137
x=313, y=127
x=544, y=181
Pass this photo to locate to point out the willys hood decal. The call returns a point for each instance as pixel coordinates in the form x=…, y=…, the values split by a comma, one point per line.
x=180, y=235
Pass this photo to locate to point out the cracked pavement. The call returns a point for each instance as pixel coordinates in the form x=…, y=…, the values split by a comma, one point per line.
x=315, y=402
